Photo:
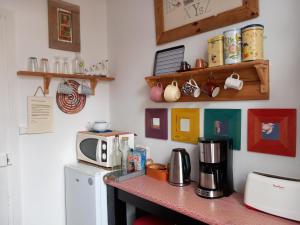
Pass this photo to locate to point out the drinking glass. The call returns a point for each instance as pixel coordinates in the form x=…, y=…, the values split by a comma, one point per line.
x=66, y=67
x=32, y=64
x=44, y=65
x=57, y=66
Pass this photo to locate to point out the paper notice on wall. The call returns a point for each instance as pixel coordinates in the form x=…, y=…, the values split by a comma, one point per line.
x=40, y=114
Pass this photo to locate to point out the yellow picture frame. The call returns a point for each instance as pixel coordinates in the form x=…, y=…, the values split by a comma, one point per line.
x=185, y=125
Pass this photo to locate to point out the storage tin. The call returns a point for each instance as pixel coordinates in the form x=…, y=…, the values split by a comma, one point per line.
x=215, y=51
x=232, y=46
x=253, y=42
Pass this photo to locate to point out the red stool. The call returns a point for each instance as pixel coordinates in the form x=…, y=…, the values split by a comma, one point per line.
x=151, y=220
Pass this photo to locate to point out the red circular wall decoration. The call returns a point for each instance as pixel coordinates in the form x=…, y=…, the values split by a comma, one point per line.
x=72, y=103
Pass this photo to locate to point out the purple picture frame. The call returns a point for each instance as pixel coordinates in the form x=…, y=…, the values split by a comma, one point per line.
x=156, y=131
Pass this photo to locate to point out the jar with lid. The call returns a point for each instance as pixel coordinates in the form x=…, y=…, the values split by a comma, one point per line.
x=215, y=51
x=253, y=42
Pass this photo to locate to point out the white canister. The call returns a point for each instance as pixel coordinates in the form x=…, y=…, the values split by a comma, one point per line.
x=232, y=46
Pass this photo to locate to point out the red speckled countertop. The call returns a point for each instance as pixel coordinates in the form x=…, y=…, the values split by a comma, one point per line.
x=224, y=211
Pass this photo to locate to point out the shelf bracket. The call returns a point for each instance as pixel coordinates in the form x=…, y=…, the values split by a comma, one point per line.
x=263, y=74
x=93, y=83
x=47, y=80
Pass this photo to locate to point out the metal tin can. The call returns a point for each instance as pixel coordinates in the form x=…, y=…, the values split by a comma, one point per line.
x=253, y=42
x=232, y=46
x=215, y=51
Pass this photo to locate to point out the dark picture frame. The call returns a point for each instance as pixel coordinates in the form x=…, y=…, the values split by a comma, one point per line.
x=64, y=25
x=272, y=131
x=223, y=123
x=156, y=123
x=248, y=10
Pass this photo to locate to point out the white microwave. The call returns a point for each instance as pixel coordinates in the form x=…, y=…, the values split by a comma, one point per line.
x=96, y=148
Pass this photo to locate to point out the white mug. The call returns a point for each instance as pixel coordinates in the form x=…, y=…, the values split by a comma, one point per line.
x=191, y=88
x=172, y=92
x=84, y=90
x=64, y=88
x=232, y=82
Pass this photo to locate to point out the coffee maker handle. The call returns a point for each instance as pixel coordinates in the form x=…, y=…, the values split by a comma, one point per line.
x=187, y=164
x=218, y=179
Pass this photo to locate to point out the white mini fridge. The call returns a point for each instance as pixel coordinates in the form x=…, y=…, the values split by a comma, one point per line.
x=85, y=195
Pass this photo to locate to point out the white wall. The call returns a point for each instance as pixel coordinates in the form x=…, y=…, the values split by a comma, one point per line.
x=43, y=156
x=131, y=38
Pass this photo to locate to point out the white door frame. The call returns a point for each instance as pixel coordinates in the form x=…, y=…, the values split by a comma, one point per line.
x=10, y=139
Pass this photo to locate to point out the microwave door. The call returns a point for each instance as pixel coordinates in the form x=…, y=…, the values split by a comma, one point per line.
x=88, y=147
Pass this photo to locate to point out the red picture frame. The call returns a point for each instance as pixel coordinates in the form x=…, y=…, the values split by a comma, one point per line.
x=272, y=131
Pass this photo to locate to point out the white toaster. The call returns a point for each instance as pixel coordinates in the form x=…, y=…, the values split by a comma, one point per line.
x=276, y=195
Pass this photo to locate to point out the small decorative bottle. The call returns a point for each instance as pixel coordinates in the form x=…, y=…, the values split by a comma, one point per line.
x=77, y=64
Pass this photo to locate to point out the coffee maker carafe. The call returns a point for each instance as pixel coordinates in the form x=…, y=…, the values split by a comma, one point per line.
x=215, y=168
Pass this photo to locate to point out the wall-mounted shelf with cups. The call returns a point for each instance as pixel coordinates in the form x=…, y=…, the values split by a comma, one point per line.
x=255, y=75
x=48, y=76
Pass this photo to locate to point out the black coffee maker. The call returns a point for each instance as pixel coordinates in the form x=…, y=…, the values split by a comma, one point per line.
x=215, y=168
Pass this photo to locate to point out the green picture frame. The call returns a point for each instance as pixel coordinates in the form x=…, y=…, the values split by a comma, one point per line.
x=223, y=123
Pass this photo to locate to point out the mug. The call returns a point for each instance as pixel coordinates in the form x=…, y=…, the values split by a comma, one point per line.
x=191, y=88
x=84, y=90
x=200, y=64
x=184, y=66
x=156, y=92
x=211, y=88
x=232, y=82
x=64, y=88
x=172, y=92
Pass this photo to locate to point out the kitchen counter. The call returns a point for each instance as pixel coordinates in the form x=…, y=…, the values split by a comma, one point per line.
x=224, y=211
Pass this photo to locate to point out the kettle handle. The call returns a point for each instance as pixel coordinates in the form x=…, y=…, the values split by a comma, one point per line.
x=186, y=164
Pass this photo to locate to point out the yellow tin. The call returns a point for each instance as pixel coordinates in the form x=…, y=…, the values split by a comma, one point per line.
x=215, y=51
x=253, y=42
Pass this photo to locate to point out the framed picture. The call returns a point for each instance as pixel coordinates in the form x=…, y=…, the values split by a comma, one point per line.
x=156, y=123
x=185, y=125
x=64, y=25
x=272, y=131
x=223, y=123
x=176, y=19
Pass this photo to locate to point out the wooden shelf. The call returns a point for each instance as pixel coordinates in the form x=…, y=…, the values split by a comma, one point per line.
x=48, y=76
x=255, y=75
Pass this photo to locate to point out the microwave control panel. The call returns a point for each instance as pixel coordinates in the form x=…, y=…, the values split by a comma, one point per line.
x=103, y=151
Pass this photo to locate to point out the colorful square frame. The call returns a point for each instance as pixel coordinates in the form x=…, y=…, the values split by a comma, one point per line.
x=190, y=135
x=223, y=123
x=272, y=131
x=159, y=130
